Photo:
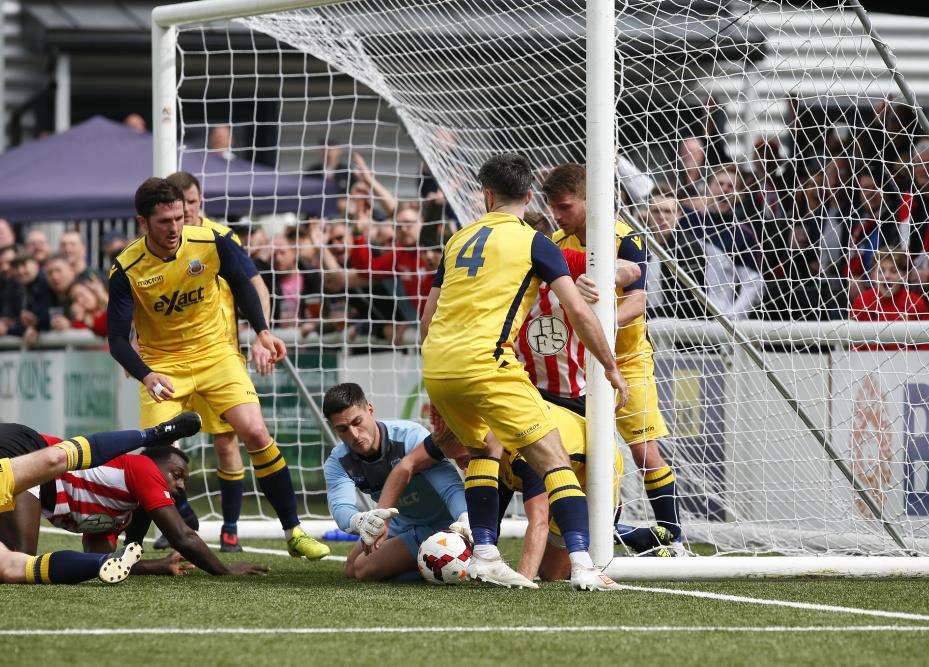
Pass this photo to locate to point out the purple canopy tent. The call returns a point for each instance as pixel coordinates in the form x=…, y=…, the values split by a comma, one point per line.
x=92, y=170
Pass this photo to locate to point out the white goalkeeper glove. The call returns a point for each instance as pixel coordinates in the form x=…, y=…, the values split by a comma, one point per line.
x=370, y=524
x=463, y=528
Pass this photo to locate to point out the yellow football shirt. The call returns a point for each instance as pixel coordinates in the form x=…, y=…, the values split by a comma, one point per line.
x=177, y=309
x=489, y=277
x=225, y=293
x=631, y=340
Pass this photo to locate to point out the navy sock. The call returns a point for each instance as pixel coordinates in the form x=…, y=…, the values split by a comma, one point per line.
x=568, y=506
x=231, y=488
x=661, y=489
x=482, y=497
x=273, y=477
x=637, y=539
x=63, y=567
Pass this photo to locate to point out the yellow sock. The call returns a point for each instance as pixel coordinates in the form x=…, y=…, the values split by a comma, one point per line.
x=268, y=460
x=78, y=451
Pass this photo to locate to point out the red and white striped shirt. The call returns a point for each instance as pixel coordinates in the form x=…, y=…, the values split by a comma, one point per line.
x=101, y=499
x=547, y=345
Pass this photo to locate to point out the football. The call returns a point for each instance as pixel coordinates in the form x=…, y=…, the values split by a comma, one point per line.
x=443, y=558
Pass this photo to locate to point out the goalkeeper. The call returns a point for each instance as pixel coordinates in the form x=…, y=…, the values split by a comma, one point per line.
x=428, y=502
x=543, y=548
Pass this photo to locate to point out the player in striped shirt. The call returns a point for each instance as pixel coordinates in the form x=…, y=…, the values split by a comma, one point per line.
x=28, y=458
x=98, y=504
x=639, y=421
x=551, y=352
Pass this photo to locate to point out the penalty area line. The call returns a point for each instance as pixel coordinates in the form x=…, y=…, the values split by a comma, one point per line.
x=646, y=629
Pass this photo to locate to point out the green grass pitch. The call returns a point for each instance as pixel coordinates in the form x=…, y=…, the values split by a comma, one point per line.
x=635, y=627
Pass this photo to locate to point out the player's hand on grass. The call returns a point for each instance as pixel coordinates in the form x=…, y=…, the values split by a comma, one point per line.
x=369, y=524
x=619, y=384
x=463, y=527
x=588, y=288
x=160, y=388
x=174, y=565
x=247, y=569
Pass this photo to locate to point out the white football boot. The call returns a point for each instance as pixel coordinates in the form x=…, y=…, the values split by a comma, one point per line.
x=497, y=573
x=592, y=579
x=117, y=567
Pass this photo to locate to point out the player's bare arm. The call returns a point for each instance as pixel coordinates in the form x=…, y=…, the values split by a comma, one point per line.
x=186, y=541
x=591, y=333
x=432, y=302
x=631, y=306
x=402, y=473
x=536, y=537
x=626, y=273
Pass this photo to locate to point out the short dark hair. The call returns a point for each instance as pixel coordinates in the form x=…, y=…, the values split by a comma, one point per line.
x=155, y=191
x=566, y=179
x=163, y=454
x=507, y=175
x=22, y=258
x=342, y=397
x=183, y=180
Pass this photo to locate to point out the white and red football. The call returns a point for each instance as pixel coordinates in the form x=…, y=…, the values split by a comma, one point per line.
x=443, y=558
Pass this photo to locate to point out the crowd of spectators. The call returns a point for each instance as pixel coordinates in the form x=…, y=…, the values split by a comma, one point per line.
x=824, y=222
x=46, y=290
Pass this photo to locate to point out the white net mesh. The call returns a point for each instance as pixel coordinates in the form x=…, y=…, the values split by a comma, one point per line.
x=763, y=146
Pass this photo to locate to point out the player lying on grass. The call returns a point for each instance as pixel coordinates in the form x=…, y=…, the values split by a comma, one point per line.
x=167, y=285
x=427, y=503
x=98, y=503
x=543, y=548
x=28, y=459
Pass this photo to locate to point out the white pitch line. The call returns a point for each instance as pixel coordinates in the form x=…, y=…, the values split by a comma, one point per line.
x=706, y=595
x=649, y=629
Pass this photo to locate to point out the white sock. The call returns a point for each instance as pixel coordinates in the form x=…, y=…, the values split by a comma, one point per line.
x=580, y=559
x=487, y=551
x=290, y=532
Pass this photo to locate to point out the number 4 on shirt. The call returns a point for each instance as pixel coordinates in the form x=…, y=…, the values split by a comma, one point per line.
x=476, y=260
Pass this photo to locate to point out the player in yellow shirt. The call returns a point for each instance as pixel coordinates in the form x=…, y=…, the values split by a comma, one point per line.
x=229, y=470
x=165, y=283
x=488, y=278
x=543, y=548
x=639, y=421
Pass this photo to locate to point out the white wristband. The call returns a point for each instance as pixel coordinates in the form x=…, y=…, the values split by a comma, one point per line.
x=158, y=388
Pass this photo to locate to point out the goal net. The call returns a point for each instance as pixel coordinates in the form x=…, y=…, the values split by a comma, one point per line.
x=764, y=150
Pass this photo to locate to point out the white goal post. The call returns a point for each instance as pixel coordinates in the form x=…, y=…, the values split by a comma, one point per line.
x=795, y=464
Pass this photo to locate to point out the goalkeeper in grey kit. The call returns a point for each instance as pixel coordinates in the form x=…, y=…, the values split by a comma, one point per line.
x=432, y=501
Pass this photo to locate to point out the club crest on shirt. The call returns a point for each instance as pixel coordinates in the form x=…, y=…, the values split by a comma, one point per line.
x=195, y=268
x=547, y=335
